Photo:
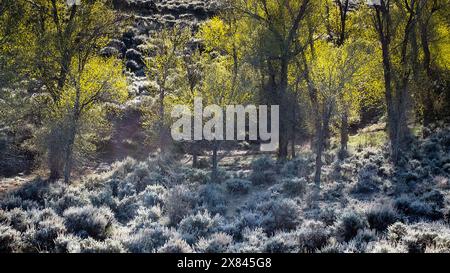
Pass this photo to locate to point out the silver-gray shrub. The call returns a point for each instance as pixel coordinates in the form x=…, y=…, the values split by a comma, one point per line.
x=238, y=186
x=127, y=208
x=279, y=214
x=103, y=197
x=71, y=198
x=193, y=175
x=415, y=209
x=90, y=245
x=10, y=239
x=175, y=245
x=245, y=219
x=263, y=171
x=328, y=216
x=294, y=186
x=145, y=217
x=125, y=189
x=380, y=217
x=67, y=243
x=123, y=168
x=12, y=201
x=149, y=239
x=348, y=225
x=312, y=236
x=298, y=167
x=180, y=202
x=19, y=219
x=281, y=243
x=396, y=232
x=217, y=243
x=253, y=241
x=212, y=197
x=47, y=226
x=199, y=225
x=34, y=190
x=4, y=217
x=368, y=181
x=89, y=221
x=153, y=195
x=363, y=238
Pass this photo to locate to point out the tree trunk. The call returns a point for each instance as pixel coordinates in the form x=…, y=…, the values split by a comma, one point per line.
x=319, y=151
x=284, y=120
x=319, y=142
x=318, y=145
x=70, y=137
x=402, y=98
x=428, y=111
x=326, y=131
x=293, y=154
x=68, y=157
x=55, y=166
x=194, y=160
x=392, y=123
x=326, y=118
x=322, y=126
x=344, y=134
x=383, y=26
x=215, y=162
x=162, y=140
x=343, y=10
x=55, y=148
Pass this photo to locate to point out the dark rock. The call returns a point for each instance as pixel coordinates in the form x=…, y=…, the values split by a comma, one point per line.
x=133, y=54
x=109, y=52
x=117, y=44
x=133, y=66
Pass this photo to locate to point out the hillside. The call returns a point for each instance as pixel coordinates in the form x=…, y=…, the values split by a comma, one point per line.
x=156, y=205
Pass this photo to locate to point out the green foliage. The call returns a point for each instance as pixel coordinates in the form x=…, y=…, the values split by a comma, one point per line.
x=52, y=50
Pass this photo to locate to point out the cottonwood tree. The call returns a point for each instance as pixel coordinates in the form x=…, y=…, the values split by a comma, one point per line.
x=227, y=79
x=276, y=30
x=427, y=43
x=59, y=39
x=92, y=83
x=329, y=75
x=220, y=76
x=163, y=67
x=216, y=73
x=393, y=22
x=404, y=29
x=14, y=57
x=338, y=25
x=217, y=88
x=192, y=70
x=16, y=44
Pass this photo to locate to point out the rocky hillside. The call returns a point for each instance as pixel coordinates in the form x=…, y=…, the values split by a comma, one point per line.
x=179, y=9
x=150, y=16
x=147, y=17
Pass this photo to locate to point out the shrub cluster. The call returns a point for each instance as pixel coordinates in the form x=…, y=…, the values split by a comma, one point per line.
x=349, y=224
x=89, y=221
x=263, y=171
x=238, y=186
x=279, y=214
